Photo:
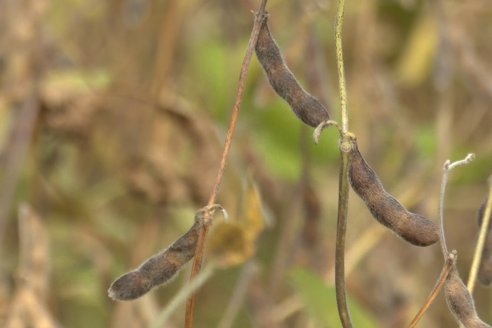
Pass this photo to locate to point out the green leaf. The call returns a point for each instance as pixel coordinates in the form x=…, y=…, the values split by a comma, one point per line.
x=320, y=302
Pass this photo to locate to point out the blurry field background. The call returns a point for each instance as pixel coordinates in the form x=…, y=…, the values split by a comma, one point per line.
x=112, y=120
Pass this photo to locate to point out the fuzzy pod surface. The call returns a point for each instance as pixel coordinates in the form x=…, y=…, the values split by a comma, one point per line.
x=460, y=301
x=156, y=270
x=413, y=228
x=305, y=106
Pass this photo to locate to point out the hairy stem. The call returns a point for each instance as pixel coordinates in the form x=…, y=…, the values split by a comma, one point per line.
x=340, y=66
x=200, y=247
x=484, y=229
x=343, y=192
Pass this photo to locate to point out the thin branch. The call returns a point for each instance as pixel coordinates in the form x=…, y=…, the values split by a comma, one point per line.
x=200, y=247
x=343, y=192
x=484, y=229
x=448, y=166
x=448, y=265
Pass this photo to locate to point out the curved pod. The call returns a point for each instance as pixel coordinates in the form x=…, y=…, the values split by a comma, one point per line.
x=304, y=105
x=412, y=227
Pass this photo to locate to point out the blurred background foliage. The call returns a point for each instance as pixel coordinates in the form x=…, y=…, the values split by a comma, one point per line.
x=112, y=119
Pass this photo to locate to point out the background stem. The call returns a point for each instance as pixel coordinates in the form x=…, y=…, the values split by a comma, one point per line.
x=484, y=229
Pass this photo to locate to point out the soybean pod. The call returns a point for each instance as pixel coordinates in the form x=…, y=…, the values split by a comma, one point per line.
x=157, y=269
x=412, y=227
x=304, y=105
x=460, y=301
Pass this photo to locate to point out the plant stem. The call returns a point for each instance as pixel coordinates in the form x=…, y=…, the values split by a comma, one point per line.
x=200, y=247
x=343, y=192
x=340, y=66
x=484, y=229
x=451, y=260
x=442, y=235
x=447, y=167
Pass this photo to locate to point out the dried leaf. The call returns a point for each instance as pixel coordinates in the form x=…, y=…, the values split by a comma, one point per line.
x=229, y=244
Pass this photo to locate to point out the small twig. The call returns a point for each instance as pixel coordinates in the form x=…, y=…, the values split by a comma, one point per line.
x=322, y=126
x=448, y=265
x=200, y=247
x=484, y=229
x=448, y=166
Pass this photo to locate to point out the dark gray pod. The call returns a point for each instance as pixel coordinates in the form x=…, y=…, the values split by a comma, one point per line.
x=413, y=228
x=157, y=269
x=304, y=105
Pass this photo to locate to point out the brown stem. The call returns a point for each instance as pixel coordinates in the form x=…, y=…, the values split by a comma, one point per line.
x=200, y=246
x=437, y=288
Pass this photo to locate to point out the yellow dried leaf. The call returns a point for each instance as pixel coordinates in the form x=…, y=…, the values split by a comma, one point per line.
x=253, y=219
x=229, y=244
x=232, y=243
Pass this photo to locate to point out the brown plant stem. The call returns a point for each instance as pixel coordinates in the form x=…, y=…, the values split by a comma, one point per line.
x=448, y=265
x=200, y=247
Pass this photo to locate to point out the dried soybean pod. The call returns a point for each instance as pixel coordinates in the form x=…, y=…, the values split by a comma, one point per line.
x=485, y=269
x=158, y=269
x=413, y=228
x=460, y=302
x=304, y=105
